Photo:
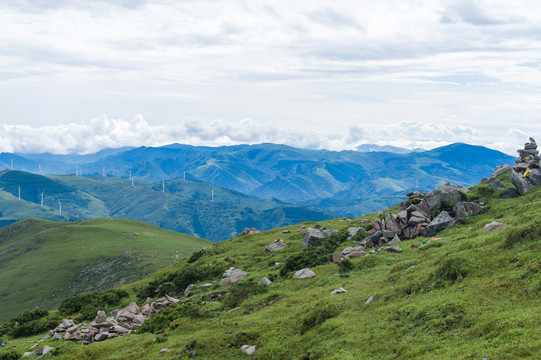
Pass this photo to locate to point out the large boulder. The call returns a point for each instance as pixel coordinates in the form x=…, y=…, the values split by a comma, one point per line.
x=493, y=226
x=303, y=274
x=463, y=209
x=500, y=170
x=352, y=231
x=444, y=195
x=440, y=222
x=276, y=245
x=497, y=184
x=315, y=237
x=534, y=176
x=231, y=276
x=521, y=184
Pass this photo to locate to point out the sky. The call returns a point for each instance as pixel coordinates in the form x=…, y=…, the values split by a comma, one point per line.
x=80, y=76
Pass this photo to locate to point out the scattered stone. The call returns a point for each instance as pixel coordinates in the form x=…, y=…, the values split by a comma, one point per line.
x=395, y=249
x=163, y=351
x=510, y=193
x=286, y=231
x=265, y=281
x=47, y=348
x=395, y=240
x=314, y=236
x=464, y=209
x=249, y=231
x=101, y=336
x=497, y=184
x=231, y=276
x=206, y=285
x=100, y=317
x=276, y=245
x=216, y=294
x=370, y=299
x=338, y=291
x=493, y=226
x=303, y=274
x=188, y=288
x=248, y=350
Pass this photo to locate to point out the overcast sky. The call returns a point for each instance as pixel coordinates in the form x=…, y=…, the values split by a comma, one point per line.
x=79, y=76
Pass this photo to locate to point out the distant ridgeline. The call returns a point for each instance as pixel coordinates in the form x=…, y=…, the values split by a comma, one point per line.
x=337, y=183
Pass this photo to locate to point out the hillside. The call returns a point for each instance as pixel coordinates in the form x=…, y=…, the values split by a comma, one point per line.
x=42, y=262
x=185, y=205
x=467, y=294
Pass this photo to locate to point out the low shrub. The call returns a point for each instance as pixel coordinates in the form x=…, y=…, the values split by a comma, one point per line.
x=10, y=355
x=163, y=318
x=238, y=292
x=345, y=266
x=87, y=305
x=450, y=270
x=29, y=323
x=195, y=256
x=318, y=316
x=523, y=234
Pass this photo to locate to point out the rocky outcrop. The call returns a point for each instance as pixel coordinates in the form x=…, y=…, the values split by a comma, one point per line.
x=526, y=173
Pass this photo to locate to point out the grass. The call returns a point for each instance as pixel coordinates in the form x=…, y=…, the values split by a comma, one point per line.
x=466, y=295
x=43, y=261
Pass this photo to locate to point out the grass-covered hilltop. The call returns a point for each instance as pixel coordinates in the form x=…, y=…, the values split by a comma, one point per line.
x=426, y=279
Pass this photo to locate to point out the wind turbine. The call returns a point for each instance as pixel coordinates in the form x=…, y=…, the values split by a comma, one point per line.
x=212, y=198
x=132, y=182
x=76, y=171
x=42, y=198
x=39, y=168
x=11, y=164
x=59, y=208
x=104, y=171
x=163, y=185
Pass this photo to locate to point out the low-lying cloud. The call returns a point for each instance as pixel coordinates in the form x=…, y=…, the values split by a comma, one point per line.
x=103, y=132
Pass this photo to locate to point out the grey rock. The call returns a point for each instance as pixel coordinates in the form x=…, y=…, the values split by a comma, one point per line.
x=374, y=238
x=66, y=323
x=46, y=349
x=356, y=252
x=395, y=240
x=389, y=234
x=414, y=220
x=314, y=237
x=521, y=184
x=276, y=245
x=493, y=226
x=357, y=231
x=164, y=350
x=232, y=275
x=394, y=249
x=265, y=281
x=337, y=257
x=497, y=184
x=500, y=170
x=100, y=317
x=304, y=274
x=370, y=299
x=440, y=222
x=445, y=194
x=101, y=336
x=57, y=336
x=463, y=209
x=510, y=193
x=248, y=349
x=132, y=308
x=534, y=176
x=338, y=291
x=188, y=289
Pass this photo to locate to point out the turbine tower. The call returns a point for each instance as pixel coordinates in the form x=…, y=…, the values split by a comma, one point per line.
x=11, y=164
x=212, y=198
x=76, y=171
x=59, y=208
x=163, y=185
x=104, y=171
x=42, y=198
x=39, y=169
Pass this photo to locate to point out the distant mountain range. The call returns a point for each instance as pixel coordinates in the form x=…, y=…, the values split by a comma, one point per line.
x=263, y=183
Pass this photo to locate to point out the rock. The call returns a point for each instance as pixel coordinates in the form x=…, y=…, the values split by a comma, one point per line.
x=119, y=329
x=338, y=291
x=286, y=231
x=171, y=299
x=188, y=288
x=463, y=209
x=132, y=308
x=28, y=353
x=510, y=193
x=205, y=285
x=276, y=245
x=389, y=234
x=374, y=238
x=100, y=317
x=231, y=276
x=265, y=281
x=72, y=329
x=394, y=249
x=414, y=220
x=47, y=348
x=357, y=252
x=521, y=184
x=314, y=237
x=302, y=228
x=395, y=240
x=101, y=336
x=370, y=299
x=57, y=336
x=534, y=176
x=352, y=231
x=445, y=194
x=497, y=184
x=215, y=294
x=248, y=350
x=163, y=351
x=303, y=274
x=493, y=226
x=337, y=257
x=442, y=221
x=67, y=323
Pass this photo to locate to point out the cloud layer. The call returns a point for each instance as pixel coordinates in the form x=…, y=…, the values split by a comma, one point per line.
x=102, y=132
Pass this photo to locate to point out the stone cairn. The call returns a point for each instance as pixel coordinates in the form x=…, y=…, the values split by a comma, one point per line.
x=526, y=173
x=419, y=215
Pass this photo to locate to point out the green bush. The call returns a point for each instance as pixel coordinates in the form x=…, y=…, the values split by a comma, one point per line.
x=367, y=226
x=345, y=266
x=318, y=316
x=367, y=262
x=238, y=292
x=10, y=355
x=451, y=270
x=195, y=256
x=90, y=303
x=29, y=323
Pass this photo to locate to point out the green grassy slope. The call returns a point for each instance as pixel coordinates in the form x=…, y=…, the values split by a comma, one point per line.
x=185, y=206
x=42, y=262
x=466, y=295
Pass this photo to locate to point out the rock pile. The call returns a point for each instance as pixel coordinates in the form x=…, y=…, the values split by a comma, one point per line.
x=526, y=173
x=122, y=323
x=247, y=231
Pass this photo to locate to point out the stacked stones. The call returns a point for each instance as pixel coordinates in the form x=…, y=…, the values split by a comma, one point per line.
x=526, y=173
x=103, y=327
